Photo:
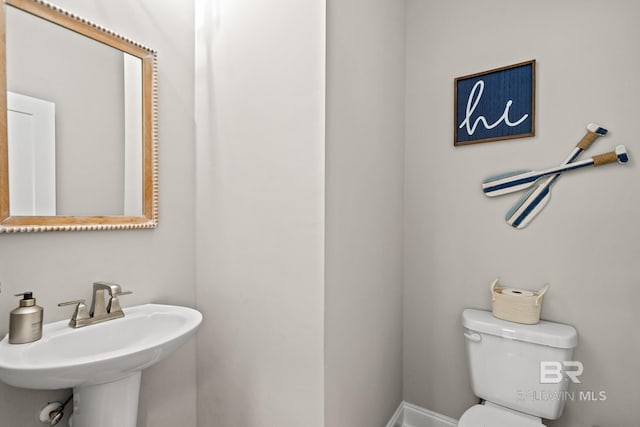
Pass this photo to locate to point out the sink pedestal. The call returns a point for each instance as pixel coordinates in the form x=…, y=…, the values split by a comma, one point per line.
x=113, y=404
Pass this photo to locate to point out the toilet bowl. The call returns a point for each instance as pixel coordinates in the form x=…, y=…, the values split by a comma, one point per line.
x=492, y=415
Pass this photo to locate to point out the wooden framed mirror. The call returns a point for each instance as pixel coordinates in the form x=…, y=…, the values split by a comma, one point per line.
x=78, y=124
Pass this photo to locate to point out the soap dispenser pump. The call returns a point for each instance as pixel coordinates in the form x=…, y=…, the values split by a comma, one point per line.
x=25, y=322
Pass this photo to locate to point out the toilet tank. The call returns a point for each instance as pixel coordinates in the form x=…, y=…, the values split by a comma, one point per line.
x=504, y=362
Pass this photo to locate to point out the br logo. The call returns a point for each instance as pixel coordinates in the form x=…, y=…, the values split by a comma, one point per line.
x=552, y=372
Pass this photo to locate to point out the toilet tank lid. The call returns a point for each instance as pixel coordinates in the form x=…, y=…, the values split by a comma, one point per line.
x=544, y=333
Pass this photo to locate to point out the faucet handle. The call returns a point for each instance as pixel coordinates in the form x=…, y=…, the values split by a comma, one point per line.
x=114, y=302
x=80, y=312
x=75, y=301
x=120, y=293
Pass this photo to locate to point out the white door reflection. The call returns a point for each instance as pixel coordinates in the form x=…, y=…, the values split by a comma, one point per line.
x=32, y=155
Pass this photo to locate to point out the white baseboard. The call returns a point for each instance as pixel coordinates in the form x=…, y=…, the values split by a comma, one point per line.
x=397, y=420
x=408, y=415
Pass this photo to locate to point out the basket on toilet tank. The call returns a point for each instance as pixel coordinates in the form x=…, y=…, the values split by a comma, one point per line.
x=517, y=305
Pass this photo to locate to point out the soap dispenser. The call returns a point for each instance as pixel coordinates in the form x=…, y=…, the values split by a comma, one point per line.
x=25, y=322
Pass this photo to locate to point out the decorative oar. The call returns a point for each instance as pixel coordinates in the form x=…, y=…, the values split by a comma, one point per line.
x=509, y=183
x=528, y=207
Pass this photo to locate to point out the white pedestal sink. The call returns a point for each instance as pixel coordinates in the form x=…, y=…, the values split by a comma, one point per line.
x=101, y=362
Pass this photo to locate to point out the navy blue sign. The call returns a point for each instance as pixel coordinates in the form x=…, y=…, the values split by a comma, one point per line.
x=496, y=104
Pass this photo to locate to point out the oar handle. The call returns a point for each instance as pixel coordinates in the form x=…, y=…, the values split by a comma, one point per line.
x=603, y=159
x=619, y=155
x=594, y=131
x=587, y=140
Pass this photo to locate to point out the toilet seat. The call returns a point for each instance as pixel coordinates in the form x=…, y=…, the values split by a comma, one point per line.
x=496, y=416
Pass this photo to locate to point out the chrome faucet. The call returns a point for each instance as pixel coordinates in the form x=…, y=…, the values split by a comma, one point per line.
x=100, y=311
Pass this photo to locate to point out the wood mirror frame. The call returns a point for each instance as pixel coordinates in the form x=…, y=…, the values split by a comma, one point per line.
x=149, y=217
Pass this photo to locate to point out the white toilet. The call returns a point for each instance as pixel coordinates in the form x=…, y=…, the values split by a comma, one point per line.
x=504, y=361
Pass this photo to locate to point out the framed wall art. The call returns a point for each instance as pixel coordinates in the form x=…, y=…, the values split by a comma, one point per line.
x=495, y=105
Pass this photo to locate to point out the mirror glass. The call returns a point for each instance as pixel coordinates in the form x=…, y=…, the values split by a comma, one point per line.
x=80, y=140
x=71, y=90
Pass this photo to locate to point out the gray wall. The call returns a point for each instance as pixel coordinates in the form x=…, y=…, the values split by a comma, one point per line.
x=585, y=243
x=260, y=227
x=364, y=193
x=157, y=265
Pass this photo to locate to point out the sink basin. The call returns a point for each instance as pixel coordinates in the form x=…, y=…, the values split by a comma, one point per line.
x=102, y=358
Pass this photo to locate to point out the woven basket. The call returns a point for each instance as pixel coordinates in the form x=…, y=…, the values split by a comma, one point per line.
x=515, y=306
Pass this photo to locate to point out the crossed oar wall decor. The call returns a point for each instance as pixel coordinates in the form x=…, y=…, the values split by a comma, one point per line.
x=532, y=202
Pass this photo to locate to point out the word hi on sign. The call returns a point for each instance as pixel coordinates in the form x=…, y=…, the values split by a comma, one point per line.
x=495, y=105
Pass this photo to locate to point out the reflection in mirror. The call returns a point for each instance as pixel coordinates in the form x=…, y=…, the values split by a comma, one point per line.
x=32, y=151
x=63, y=70
x=80, y=124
